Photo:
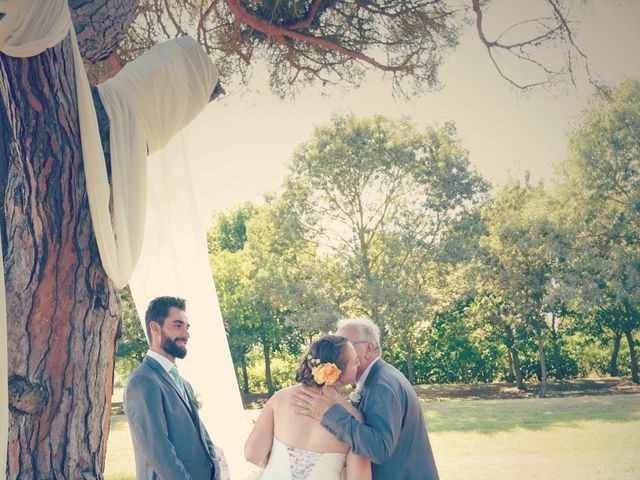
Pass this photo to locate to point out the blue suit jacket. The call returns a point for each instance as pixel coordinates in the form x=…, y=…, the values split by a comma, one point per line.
x=169, y=440
x=393, y=434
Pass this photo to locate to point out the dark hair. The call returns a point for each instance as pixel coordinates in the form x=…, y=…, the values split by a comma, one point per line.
x=158, y=311
x=327, y=349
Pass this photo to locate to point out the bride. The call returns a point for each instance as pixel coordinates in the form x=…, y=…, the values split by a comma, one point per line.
x=297, y=447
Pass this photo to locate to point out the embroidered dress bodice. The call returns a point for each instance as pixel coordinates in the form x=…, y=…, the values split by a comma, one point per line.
x=288, y=463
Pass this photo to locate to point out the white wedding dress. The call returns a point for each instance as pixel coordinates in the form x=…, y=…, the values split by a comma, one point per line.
x=287, y=463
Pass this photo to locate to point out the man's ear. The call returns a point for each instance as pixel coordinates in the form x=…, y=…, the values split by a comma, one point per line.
x=155, y=328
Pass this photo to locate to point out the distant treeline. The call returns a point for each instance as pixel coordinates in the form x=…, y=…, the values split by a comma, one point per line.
x=467, y=284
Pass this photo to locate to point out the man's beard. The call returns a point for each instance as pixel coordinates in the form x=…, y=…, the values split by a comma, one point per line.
x=169, y=345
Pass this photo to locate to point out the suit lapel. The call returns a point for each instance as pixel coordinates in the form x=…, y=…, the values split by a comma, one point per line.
x=189, y=403
x=371, y=379
x=167, y=379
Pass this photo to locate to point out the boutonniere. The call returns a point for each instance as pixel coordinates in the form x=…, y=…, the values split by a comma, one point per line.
x=355, y=395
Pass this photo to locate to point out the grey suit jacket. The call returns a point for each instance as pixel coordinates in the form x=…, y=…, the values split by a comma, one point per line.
x=393, y=434
x=169, y=440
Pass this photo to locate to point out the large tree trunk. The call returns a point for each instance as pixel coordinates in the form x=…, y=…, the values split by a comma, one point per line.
x=628, y=332
x=266, y=349
x=543, y=363
x=62, y=311
x=613, y=363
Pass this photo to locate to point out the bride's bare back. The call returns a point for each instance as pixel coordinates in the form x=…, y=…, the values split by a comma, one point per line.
x=300, y=431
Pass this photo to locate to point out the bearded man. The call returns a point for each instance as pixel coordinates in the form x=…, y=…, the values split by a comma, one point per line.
x=169, y=439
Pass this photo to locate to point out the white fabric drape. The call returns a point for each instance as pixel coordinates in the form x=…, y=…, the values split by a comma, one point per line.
x=174, y=262
x=28, y=28
x=148, y=101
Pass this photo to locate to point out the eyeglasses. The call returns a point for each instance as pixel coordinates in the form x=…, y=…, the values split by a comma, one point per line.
x=357, y=342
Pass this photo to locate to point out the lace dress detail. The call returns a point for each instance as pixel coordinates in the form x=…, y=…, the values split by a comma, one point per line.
x=302, y=462
x=288, y=463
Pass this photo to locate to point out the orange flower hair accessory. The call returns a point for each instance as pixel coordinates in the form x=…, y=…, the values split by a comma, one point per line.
x=325, y=373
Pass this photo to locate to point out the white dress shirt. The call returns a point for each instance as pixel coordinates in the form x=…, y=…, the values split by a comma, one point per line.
x=166, y=364
x=365, y=374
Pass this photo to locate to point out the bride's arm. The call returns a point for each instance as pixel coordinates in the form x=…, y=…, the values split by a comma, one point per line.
x=258, y=445
x=358, y=467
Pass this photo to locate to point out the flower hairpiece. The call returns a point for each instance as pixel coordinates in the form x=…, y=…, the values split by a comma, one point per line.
x=324, y=373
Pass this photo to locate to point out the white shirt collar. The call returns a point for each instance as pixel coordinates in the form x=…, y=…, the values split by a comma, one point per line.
x=163, y=361
x=365, y=374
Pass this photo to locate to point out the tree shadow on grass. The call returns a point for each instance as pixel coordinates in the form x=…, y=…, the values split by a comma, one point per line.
x=493, y=416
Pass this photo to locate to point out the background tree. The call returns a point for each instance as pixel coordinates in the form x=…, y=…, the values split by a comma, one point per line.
x=378, y=195
x=57, y=343
x=253, y=282
x=600, y=188
x=132, y=339
x=521, y=256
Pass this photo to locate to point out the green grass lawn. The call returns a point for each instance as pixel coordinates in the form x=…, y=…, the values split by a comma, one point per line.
x=591, y=438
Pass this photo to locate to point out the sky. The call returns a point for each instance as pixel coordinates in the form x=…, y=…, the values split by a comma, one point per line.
x=241, y=146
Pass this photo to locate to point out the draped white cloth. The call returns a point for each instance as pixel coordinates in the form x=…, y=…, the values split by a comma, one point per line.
x=174, y=262
x=147, y=105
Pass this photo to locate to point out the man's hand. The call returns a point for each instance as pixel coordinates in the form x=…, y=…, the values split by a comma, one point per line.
x=314, y=404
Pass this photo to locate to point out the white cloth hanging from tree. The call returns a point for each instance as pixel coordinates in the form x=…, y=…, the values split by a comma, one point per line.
x=150, y=100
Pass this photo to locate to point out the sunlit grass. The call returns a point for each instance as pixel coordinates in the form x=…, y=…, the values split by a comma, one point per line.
x=525, y=439
x=563, y=438
x=120, y=463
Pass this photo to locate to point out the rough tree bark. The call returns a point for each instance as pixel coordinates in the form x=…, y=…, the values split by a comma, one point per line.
x=63, y=312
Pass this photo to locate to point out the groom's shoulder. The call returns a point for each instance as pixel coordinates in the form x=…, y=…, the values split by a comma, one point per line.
x=145, y=369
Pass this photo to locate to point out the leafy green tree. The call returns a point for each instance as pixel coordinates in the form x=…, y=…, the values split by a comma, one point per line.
x=600, y=189
x=132, y=342
x=229, y=231
x=377, y=196
x=252, y=283
x=523, y=258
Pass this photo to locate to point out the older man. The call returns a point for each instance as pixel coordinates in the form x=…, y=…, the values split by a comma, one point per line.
x=393, y=434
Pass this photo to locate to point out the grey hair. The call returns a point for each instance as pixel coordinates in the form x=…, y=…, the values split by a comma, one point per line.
x=366, y=328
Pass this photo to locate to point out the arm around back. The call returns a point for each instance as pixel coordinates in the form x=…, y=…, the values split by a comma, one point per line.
x=375, y=438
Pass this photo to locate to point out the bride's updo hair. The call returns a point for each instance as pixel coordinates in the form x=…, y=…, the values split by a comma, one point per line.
x=327, y=349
